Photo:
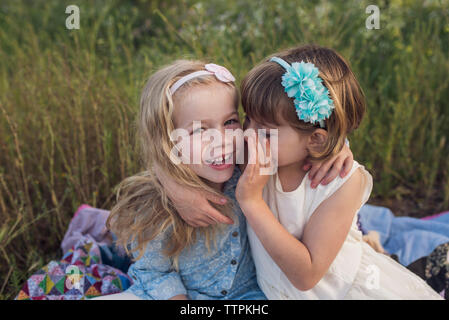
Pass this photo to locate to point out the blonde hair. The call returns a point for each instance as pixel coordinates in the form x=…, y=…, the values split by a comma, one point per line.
x=264, y=98
x=143, y=209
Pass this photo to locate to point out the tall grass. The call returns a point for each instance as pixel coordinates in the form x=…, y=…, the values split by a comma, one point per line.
x=68, y=98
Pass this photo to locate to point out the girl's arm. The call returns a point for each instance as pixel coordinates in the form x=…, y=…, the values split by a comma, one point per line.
x=304, y=262
x=193, y=206
x=195, y=209
x=325, y=172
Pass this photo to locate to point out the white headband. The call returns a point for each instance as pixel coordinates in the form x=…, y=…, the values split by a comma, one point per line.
x=186, y=78
x=221, y=73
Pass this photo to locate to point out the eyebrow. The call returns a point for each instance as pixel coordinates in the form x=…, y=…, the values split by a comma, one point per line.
x=233, y=113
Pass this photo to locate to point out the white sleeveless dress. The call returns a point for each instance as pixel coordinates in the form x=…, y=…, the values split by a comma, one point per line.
x=358, y=271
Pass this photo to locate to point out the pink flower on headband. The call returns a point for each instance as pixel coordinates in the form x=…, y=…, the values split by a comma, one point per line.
x=220, y=72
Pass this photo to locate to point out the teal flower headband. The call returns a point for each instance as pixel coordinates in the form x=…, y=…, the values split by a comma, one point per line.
x=301, y=81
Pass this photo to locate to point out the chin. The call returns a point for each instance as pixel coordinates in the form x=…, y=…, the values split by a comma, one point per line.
x=216, y=176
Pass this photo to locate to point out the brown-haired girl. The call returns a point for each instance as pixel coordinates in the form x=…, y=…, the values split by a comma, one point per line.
x=305, y=242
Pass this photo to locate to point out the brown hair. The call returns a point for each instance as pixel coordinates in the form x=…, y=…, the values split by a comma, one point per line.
x=143, y=209
x=264, y=98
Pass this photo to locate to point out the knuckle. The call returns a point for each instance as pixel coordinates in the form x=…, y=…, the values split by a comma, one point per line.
x=321, y=172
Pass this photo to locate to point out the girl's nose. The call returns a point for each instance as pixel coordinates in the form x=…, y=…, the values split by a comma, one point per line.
x=221, y=141
x=227, y=140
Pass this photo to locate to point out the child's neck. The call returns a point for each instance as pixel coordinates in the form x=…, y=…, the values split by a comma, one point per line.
x=291, y=176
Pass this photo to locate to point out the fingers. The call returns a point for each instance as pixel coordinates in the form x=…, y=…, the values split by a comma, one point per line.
x=197, y=224
x=200, y=213
x=201, y=223
x=252, y=151
x=208, y=220
x=252, y=159
x=313, y=170
x=194, y=222
x=188, y=216
x=260, y=153
x=320, y=173
x=333, y=173
x=307, y=166
x=205, y=220
x=347, y=165
x=329, y=170
x=215, y=216
x=214, y=198
x=266, y=154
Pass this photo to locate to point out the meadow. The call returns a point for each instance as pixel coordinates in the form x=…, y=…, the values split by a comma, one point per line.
x=69, y=98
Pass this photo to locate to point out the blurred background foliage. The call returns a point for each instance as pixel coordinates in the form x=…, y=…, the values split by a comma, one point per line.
x=68, y=98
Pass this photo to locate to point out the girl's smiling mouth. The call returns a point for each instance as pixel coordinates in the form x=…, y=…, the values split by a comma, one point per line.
x=220, y=163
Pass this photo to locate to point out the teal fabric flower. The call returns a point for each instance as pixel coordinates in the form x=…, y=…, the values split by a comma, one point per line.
x=301, y=81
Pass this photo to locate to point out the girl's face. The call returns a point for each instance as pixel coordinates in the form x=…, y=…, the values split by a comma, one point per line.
x=204, y=112
x=291, y=145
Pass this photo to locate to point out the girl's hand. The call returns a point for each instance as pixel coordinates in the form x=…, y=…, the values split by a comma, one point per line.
x=193, y=206
x=252, y=181
x=325, y=172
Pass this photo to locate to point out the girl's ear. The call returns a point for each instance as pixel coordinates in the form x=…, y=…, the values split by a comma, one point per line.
x=317, y=139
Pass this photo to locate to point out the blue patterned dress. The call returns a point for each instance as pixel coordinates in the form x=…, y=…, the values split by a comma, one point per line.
x=227, y=271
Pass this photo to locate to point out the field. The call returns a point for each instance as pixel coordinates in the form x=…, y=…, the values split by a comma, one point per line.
x=69, y=98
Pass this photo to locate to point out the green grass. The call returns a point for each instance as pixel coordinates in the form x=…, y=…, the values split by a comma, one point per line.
x=68, y=99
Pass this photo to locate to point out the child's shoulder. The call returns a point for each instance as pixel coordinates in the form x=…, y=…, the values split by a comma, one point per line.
x=357, y=172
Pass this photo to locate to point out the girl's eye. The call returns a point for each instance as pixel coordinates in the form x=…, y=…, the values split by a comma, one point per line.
x=199, y=130
x=231, y=121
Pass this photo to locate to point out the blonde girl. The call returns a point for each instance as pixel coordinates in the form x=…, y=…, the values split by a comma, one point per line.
x=174, y=260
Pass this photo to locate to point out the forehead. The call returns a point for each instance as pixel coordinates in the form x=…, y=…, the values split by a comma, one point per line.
x=203, y=103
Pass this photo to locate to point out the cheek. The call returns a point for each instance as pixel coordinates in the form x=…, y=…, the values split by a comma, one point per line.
x=190, y=149
x=196, y=147
x=290, y=149
x=201, y=149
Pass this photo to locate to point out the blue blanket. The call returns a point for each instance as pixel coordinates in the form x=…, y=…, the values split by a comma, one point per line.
x=408, y=238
